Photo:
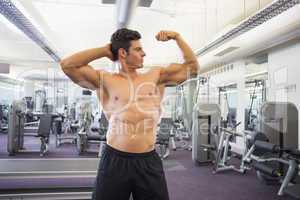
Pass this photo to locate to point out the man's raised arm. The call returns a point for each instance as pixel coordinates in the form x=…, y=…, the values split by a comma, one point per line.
x=77, y=69
x=176, y=72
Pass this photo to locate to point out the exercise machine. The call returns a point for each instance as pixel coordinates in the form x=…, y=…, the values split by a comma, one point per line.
x=205, y=130
x=88, y=135
x=224, y=154
x=257, y=94
x=17, y=127
x=165, y=138
x=3, y=118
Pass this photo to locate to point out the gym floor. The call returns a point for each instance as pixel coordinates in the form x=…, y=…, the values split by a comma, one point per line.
x=185, y=180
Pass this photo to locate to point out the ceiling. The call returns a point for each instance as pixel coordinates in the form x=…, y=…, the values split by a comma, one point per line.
x=73, y=25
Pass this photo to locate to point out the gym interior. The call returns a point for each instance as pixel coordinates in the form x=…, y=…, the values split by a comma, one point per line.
x=231, y=132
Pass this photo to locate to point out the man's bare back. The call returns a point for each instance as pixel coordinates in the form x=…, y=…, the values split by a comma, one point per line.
x=131, y=101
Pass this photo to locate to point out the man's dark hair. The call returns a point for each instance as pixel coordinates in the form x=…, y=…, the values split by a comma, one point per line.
x=121, y=39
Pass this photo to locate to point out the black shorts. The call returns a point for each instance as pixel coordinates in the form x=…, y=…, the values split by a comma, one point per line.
x=121, y=174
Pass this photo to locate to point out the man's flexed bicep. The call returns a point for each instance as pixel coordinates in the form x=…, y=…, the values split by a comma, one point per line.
x=177, y=73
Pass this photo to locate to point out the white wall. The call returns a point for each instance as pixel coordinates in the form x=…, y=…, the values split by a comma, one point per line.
x=284, y=70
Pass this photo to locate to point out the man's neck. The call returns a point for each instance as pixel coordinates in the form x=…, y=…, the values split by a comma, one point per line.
x=128, y=71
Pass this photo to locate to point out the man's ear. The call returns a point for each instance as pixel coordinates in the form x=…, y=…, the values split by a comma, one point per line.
x=122, y=53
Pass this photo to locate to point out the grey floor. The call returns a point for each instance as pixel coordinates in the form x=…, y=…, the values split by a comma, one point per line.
x=185, y=180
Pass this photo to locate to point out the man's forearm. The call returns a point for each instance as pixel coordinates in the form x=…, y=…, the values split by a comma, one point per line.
x=83, y=58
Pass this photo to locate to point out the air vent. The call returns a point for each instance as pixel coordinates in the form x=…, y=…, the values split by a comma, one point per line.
x=260, y=59
x=221, y=69
x=16, y=17
x=226, y=51
x=4, y=68
x=108, y=1
x=142, y=3
x=261, y=17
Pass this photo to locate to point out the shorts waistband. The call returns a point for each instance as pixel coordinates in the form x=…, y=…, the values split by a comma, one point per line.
x=128, y=154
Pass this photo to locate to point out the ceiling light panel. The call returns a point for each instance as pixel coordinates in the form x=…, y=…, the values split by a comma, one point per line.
x=16, y=17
